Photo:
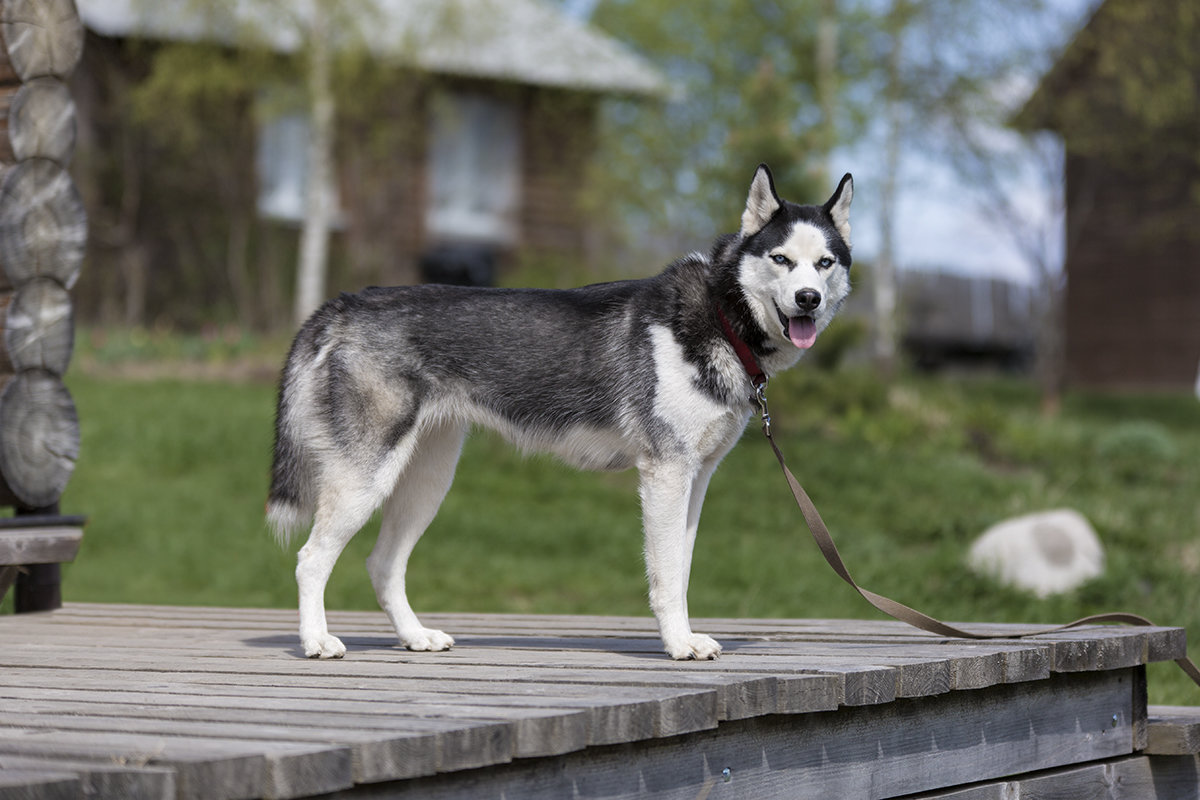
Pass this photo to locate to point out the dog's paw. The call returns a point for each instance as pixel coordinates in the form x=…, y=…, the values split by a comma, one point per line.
x=323, y=646
x=427, y=639
x=695, y=647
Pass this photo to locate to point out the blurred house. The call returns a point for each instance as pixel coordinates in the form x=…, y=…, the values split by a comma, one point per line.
x=950, y=320
x=1123, y=97
x=464, y=144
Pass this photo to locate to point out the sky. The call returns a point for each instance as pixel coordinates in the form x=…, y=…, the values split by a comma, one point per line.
x=940, y=223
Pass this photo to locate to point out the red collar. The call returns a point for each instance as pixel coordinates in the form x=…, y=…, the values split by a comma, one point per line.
x=757, y=376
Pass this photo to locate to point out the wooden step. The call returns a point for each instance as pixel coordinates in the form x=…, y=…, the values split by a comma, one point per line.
x=1174, y=731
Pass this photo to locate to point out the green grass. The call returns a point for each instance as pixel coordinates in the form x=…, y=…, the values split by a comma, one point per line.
x=173, y=475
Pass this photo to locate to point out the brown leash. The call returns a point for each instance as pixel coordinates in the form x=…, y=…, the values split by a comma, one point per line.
x=820, y=534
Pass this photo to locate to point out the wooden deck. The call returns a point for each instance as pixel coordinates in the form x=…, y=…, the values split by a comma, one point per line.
x=176, y=702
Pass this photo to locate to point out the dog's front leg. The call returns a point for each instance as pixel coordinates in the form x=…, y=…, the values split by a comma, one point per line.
x=666, y=497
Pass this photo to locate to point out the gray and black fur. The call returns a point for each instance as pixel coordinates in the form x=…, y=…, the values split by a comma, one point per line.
x=381, y=387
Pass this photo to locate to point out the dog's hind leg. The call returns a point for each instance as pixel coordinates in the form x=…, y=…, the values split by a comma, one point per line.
x=347, y=497
x=334, y=525
x=407, y=513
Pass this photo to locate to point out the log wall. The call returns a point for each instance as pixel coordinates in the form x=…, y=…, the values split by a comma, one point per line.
x=43, y=230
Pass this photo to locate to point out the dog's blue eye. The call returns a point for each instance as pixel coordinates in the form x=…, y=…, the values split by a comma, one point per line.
x=780, y=259
x=825, y=262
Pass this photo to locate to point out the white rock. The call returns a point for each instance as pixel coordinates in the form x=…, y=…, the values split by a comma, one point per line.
x=1045, y=553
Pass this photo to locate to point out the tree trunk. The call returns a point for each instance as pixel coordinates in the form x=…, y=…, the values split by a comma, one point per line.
x=43, y=225
x=318, y=207
x=827, y=46
x=886, y=328
x=37, y=326
x=42, y=37
x=39, y=437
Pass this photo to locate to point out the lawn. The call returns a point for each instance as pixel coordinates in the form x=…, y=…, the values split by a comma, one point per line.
x=173, y=475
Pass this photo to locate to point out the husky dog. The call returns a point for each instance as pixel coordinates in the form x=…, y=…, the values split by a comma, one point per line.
x=381, y=387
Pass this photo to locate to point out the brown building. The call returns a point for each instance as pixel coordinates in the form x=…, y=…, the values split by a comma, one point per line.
x=1124, y=98
x=463, y=142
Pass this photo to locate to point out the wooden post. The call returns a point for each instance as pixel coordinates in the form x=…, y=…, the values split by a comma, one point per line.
x=38, y=586
x=43, y=230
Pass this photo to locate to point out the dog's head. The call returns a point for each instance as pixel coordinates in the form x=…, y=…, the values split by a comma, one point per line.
x=794, y=266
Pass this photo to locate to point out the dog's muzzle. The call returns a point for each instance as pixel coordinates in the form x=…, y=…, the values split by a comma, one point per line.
x=801, y=329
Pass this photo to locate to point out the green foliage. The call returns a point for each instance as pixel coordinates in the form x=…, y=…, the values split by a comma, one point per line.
x=1125, y=94
x=1138, y=449
x=746, y=93
x=98, y=348
x=196, y=93
x=1143, y=72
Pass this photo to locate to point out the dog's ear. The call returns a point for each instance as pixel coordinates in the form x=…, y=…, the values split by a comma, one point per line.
x=838, y=207
x=762, y=203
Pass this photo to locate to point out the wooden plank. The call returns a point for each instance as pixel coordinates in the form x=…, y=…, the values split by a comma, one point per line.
x=569, y=625
x=810, y=689
x=205, y=768
x=1174, y=730
x=1136, y=778
x=873, y=752
x=614, y=713
x=39, y=545
x=534, y=732
x=1093, y=780
x=1176, y=777
x=801, y=692
x=99, y=779
x=919, y=669
x=1129, y=778
x=619, y=712
x=18, y=784
x=1074, y=783
x=1003, y=790
x=1115, y=648
x=1163, y=643
x=376, y=754
x=646, y=702
x=200, y=688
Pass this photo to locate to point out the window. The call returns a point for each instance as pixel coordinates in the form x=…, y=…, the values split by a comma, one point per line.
x=474, y=169
x=281, y=167
x=282, y=164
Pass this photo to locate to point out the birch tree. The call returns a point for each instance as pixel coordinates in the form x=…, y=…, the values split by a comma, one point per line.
x=319, y=162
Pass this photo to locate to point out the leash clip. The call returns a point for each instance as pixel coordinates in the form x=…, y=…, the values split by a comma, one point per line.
x=760, y=395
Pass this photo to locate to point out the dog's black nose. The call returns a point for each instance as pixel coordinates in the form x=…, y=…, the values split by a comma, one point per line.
x=807, y=300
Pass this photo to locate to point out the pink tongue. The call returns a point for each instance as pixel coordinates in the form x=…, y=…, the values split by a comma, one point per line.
x=802, y=331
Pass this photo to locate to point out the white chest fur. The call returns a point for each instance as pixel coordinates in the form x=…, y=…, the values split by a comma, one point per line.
x=699, y=423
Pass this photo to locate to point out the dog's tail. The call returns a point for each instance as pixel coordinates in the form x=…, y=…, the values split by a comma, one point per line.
x=290, y=503
x=288, y=509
